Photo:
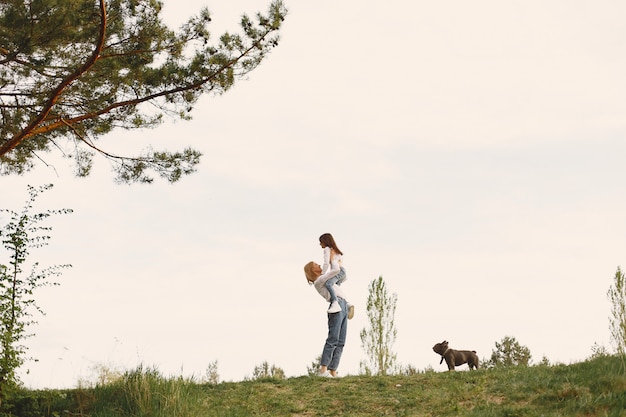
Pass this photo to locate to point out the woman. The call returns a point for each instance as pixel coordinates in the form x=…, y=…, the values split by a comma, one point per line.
x=337, y=322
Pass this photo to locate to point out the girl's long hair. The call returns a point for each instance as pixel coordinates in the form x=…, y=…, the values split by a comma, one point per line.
x=328, y=241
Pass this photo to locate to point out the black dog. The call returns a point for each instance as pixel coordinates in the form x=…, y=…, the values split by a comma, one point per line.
x=456, y=357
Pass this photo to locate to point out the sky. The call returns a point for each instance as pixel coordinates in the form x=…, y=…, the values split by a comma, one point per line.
x=470, y=153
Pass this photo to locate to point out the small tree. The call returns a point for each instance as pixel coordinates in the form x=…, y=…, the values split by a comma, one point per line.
x=617, y=296
x=410, y=370
x=598, y=351
x=378, y=340
x=265, y=370
x=544, y=361
x=509, y=352
x=17, y=302
x=105, y=374
x=211, y=375
x=314, y=369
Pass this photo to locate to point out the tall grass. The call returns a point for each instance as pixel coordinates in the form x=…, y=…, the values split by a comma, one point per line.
x=145, y=392
x=594, y=388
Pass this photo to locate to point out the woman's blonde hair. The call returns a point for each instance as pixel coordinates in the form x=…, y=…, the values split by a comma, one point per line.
x=308, y=272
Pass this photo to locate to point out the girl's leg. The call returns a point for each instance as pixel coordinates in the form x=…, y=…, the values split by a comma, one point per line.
x=329, y=286
x=341, y=276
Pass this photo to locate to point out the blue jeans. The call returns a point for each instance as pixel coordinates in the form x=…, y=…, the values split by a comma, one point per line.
x=336, y=340
x=337, y=279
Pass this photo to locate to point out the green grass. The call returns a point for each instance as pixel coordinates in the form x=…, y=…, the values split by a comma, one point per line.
x=592, y=388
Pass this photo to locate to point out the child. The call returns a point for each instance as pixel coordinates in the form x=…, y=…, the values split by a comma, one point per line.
x=332, y=255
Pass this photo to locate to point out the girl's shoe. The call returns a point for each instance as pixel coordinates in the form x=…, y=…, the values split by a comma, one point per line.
x=334, y=307
x=350, y=311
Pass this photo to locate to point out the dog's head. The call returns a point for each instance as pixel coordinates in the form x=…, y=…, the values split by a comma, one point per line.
x=441, y=348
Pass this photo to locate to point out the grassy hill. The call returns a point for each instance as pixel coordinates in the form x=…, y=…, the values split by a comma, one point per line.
x=595, y=387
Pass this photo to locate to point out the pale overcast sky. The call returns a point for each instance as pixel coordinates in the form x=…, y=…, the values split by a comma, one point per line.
x=471, y=153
